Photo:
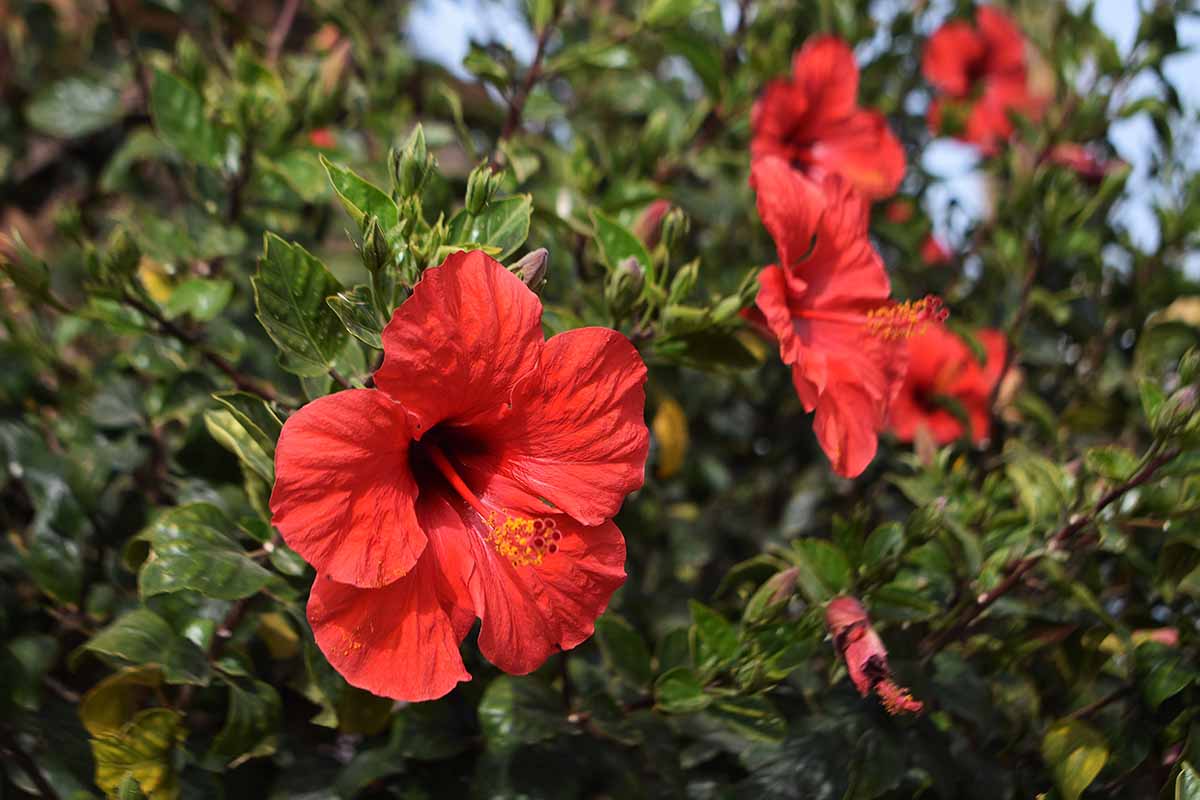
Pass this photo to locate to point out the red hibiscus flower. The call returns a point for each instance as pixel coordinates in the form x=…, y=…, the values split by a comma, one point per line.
x=865, y=656
x=478, y=480
x=983, y=75
x=813, y=122
x=934, y=253
x=828, y=305
x=942, y=365
x=1083, y=162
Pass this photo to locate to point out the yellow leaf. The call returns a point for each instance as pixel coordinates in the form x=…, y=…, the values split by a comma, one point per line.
x=141, y=749
x=1185, y=310
x=670, y=430
x=281, y=639
x=111, y=703
x=155, y=279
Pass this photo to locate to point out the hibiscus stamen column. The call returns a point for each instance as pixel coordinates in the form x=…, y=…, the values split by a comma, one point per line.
x=522, y=540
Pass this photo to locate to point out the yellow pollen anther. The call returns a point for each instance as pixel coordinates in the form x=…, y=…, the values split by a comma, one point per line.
x=903, y=320
x=524, y=542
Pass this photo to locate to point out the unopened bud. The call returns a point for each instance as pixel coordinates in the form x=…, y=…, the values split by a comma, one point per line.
x=683, y=282
x=728, y=308
x=532, y=268
x=1177, y=412
x=481, y=186
x=411, y=164
x=623, y=287
x=675, y=228
x=1189, y=366
x=376, y=250
x=648, y=227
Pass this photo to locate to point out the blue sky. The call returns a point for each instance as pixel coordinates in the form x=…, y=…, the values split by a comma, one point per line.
x=442, y=29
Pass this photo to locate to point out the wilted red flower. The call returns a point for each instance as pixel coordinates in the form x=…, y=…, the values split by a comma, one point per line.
x=323, y=138
x=828, y=305
x=865, y=656
x=943, y=365
x=814, y=123
x=478, y=480
x=1082, y=161
x=934, y=252
x=983, y=74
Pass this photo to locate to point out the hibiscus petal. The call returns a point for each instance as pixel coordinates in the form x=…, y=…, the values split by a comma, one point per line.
x=844, y=270
x=1003, y=39
x=863, y=149
x=790, y=206
x=948, y=56
x=455, y=349
x=344, y=495
x=826, y=70
x=398, y=641
x=777, y=117
x=847, y=424
x=528, y=612
x=577, y=436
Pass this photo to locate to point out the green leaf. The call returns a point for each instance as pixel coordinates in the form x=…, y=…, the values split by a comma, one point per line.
x=202, y=299
x=357, y=312
x=1152, y=399
x=885, y=542
x=1187, y=785
x=140, y=753
x=664, y=13
x=714, y=350
x=361, y=198
x=679, y=691
x=289, y=292
x=74, y=107
x=752, y=717
x=824, y=571
x=618, y=243
x=255, y=415
x=516, y=711
x=1075, y=753
x=1041, y=484
x=192, y=552
x=714, y=640
x=179, y=116
x=232, y=434
x=1162, y=671
x=624, y=650
x=499, y=229
x=251, y=724
x=1111, y=461
x=142, y=637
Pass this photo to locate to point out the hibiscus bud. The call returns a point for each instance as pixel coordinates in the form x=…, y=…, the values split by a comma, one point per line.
x=728, y=308
x=675, y=228
x=121, y=258
x=684, y=282
x=648, y=227
x=410, y=165
x=866, y=658
x=481, y=186
x=532, y=268
x=623, y=287
x=1176, y=414
x=1189, y=366
x=376, y=250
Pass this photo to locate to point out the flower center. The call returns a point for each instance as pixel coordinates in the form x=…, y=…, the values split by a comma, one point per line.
x=889, y=321
x=523, y=541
